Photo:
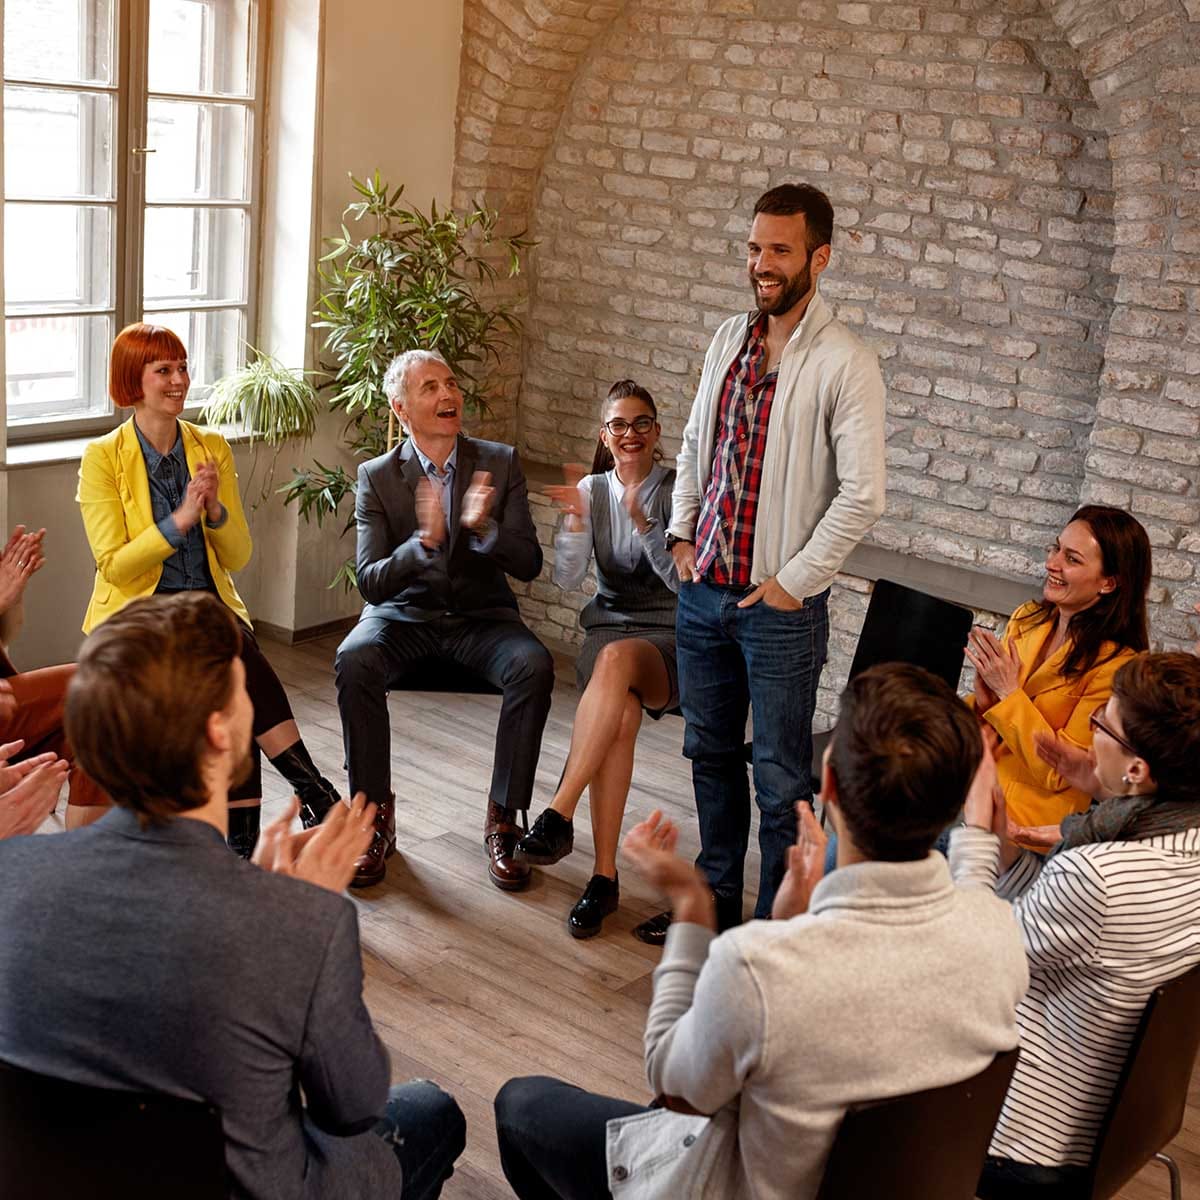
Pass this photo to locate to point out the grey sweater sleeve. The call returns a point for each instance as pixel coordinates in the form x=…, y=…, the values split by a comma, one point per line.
x=704, y=1032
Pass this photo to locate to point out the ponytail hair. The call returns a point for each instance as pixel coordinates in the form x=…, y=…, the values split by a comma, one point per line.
x=602, y=460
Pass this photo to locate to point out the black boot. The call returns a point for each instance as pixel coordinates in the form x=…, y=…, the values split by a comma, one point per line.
x=317, y=794
x=243, y=830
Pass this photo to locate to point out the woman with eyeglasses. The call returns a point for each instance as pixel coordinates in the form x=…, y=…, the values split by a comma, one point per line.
x=619, y=514
x=162, y=512
x=1057, y=659
x=1106, y=918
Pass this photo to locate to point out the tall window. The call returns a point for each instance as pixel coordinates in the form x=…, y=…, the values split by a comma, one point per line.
x=129, y=180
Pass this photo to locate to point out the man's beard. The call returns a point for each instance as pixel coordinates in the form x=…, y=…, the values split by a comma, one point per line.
x=793, y=291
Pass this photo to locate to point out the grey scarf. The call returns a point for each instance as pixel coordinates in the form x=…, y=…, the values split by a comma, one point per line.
x=1127, y=819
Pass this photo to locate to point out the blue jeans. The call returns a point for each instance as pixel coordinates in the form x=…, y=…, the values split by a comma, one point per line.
x=552, y=1138
x=427, y=1132
x=733, y=661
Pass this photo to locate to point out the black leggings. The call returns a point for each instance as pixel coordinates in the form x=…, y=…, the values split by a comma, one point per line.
x=271, y=707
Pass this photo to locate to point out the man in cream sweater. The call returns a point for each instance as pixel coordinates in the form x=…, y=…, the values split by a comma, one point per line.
x=780, y=475
x=881, y=979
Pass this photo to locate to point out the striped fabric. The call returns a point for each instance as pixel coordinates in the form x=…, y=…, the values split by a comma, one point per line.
x=1103, y=924
x=725, y=530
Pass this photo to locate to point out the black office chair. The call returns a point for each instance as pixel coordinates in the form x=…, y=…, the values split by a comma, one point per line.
x=903, y=625
x=68, y=1139
x=923, y=1146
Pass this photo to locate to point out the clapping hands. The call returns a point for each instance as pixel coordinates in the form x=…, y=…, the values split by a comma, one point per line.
x=28, y=790
x=18, y=561
x=569, y=497
x=650, y=846
x=805, y=866
x=200, y=499
x=997, y=667
x=324, y=856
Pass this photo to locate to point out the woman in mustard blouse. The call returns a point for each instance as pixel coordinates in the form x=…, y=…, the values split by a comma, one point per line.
x=162, y=511
x=1056, y=663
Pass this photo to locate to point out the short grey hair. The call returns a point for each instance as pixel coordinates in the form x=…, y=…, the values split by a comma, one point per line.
x=395, y=379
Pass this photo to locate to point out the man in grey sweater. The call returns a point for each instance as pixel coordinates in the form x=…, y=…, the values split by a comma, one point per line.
x=882, y=979
x=140, y=954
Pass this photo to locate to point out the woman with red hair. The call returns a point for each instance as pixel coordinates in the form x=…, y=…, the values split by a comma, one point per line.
x=162, y=511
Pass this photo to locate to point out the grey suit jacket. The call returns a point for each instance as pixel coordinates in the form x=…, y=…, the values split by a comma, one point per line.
x=397, y=578
x=157, y=960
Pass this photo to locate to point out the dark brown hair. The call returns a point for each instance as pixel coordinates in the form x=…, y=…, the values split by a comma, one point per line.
x=903, y=755
x=1118, y=616
x=1158, y=696
x=788, y=199
x=602, y=460
x=137, y=345
x=138, y=706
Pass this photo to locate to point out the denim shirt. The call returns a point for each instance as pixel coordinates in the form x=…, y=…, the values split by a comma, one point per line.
x=186, y=569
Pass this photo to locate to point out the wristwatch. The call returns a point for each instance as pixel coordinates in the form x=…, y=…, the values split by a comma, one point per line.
x=672, y=541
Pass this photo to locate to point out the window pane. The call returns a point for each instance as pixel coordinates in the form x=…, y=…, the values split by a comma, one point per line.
x=200, y=46
x=57, y=143
x=194, y=254
x=62, y=40
x=57, y=366
x=57, y=256
x=200, y=151
x=214, y=339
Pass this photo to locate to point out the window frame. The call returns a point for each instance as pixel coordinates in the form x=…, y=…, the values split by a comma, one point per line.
x=131, y=96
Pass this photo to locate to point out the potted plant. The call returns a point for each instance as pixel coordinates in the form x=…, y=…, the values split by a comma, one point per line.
x=269, y=401
x=409, y=280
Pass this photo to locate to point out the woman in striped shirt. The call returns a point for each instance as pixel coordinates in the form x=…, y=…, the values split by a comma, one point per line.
x=1106, y=918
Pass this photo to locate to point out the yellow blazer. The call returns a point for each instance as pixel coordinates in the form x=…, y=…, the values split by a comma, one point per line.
x=114, y=498
x=1046, y=702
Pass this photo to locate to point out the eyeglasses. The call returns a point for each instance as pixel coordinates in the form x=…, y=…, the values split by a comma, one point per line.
x=619, y=427
x=1098, y=724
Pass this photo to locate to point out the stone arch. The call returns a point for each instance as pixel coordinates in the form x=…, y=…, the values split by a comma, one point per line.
x=519, y=61
x=1144, y=451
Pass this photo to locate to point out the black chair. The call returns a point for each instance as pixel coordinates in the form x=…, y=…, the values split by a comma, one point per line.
x=903, y=625
x=923, y=1146
x=68, y=1139
x=1148, y=1103
x=444, y=675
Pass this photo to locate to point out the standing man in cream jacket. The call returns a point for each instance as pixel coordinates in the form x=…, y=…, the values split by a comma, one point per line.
x=780, y=475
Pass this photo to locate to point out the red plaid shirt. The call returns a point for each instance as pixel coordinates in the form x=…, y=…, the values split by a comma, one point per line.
x=725, y=531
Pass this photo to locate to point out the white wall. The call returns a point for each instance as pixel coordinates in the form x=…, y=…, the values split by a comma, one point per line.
x=350, y=87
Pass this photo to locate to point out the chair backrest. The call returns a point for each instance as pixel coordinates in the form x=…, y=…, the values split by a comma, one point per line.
x=924, y=1146
x=904, y=625
x=68, y=1139
x=1147, y=1107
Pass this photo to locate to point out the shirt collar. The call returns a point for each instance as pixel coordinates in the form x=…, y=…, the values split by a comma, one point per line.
x=152, y=456
x=427, y=463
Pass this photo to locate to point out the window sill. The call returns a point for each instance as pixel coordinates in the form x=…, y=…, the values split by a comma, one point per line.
x=26, y=456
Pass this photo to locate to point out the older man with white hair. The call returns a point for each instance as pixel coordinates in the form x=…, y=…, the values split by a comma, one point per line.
x=442, y=519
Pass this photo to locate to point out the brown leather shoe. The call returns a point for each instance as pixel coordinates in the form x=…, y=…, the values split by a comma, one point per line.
x=371, y=867
x=500, y=834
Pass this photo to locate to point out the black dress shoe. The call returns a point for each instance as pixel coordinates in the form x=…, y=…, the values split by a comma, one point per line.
x=653, y=931
x=600, y=897
x=551, y=838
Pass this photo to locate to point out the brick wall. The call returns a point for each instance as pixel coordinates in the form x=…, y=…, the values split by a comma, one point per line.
x=1018, y=195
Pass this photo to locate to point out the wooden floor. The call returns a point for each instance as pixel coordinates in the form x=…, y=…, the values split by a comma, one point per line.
x=468, y=985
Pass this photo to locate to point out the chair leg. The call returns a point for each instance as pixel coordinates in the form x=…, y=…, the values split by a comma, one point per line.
x=1176, y=1187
